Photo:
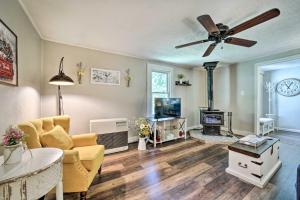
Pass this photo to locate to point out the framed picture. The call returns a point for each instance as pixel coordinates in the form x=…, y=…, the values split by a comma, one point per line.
x=105, y=77
x=8, y=55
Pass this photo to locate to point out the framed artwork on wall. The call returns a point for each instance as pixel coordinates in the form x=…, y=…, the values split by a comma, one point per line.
x=8, y=55
x=105, y=77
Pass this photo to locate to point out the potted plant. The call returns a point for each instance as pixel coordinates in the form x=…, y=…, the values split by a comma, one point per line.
x=13, y=148
x=143, y=129
x=180, y=78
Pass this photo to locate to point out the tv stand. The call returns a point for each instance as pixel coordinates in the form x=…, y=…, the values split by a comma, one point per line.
x=167, y=129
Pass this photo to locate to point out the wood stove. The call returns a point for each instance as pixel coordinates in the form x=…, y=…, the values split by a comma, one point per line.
x=210, y=118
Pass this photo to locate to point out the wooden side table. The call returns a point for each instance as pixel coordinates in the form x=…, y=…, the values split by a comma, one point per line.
x=33, y=177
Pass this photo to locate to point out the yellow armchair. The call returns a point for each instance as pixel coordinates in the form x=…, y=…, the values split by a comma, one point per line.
x=81, y=163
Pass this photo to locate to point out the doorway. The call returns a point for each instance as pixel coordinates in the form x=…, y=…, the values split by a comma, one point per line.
x=270, y=101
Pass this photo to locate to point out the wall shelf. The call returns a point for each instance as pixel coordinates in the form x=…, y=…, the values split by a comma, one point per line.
x=182, y=84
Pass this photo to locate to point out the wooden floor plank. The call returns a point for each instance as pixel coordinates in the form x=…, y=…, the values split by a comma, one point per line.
x=213, y=189
x=237, y=191
x=182, y=153
x=261, y=194
x=125, y=179
x=158, y=190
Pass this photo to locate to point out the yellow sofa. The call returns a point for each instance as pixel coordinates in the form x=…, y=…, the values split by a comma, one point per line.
x=80, y=164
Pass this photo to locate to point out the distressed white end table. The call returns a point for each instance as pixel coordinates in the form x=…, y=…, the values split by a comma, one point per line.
x=254, y=165
x=33, y=177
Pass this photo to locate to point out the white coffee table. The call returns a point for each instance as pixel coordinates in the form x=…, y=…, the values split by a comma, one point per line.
x=33, y=177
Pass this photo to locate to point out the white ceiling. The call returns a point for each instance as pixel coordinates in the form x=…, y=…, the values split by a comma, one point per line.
x=150, y=29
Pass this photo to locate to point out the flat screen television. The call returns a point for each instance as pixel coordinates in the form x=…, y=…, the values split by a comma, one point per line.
x=167, y=107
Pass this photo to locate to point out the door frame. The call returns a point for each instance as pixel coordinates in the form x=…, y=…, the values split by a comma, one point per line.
x=257, y=71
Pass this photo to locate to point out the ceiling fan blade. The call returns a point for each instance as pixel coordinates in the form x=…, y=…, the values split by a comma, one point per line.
x=190, y=44
x=209, y=49
x=240, y=42
x=255, y=21
x=208, y=23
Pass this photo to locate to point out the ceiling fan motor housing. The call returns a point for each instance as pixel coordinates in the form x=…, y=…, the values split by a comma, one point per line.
x=218, y=37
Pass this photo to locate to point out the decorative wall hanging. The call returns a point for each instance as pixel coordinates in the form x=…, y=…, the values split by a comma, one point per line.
x=288, y=87
x=128, y=77
x=105, y=77
x=80, y=72
x=8, y=55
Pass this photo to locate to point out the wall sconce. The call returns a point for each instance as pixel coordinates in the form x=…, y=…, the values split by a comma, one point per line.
x=128, y=77
x=80, y=72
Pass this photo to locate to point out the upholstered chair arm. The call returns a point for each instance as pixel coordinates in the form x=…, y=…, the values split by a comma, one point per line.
x=82, y=140
x=75, y=175
x=71, y=156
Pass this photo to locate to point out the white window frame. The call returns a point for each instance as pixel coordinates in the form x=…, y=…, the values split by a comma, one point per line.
x=157, y=68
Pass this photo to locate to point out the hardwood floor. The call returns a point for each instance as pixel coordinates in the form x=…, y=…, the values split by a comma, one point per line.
x=189, y=170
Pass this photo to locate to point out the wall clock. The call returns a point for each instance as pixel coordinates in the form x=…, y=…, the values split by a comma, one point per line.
x=288, y=87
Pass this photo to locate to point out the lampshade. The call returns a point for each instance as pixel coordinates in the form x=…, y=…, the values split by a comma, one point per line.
x=61, y=78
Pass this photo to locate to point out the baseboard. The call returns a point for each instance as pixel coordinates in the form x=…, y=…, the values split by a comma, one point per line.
x=288, y=129
x=114, y=150
x=133, y=139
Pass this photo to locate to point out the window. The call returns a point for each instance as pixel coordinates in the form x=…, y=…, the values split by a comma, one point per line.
x=159, y=79
x=160, y=86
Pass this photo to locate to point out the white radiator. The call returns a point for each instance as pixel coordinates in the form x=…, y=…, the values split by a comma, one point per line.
x=112, y=133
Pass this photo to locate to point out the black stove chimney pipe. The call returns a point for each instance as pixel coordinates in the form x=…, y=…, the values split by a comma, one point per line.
x=210, y=66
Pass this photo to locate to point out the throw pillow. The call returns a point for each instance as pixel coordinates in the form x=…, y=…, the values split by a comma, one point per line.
x=58, y=138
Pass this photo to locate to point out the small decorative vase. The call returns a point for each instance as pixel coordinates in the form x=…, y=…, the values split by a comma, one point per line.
x=13, y=154
x=180, y=81
x=142, y=144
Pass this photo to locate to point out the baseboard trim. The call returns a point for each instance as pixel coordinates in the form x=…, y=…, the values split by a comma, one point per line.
x=288, y=129
x=133, y=139
x=114, y=150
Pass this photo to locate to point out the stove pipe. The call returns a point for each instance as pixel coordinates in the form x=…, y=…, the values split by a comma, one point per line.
x=210, y=66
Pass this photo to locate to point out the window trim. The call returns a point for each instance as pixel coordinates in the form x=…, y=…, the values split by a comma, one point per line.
x=157, y=68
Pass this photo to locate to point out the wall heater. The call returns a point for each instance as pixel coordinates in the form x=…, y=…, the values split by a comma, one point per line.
x=112, y=133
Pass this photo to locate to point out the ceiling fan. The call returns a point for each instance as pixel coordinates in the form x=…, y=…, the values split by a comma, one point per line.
x=220, y=32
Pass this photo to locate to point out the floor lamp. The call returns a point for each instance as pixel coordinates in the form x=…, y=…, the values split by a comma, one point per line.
x=59, y=80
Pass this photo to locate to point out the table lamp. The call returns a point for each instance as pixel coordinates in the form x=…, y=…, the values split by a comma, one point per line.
x=59, y=80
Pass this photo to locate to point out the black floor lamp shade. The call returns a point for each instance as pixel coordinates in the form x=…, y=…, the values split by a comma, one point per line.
x=61, y=79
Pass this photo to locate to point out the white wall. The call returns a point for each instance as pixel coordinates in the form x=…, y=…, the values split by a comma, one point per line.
x=22, y=102
x=286, y=108
x=235, y=90
x=87, y=101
